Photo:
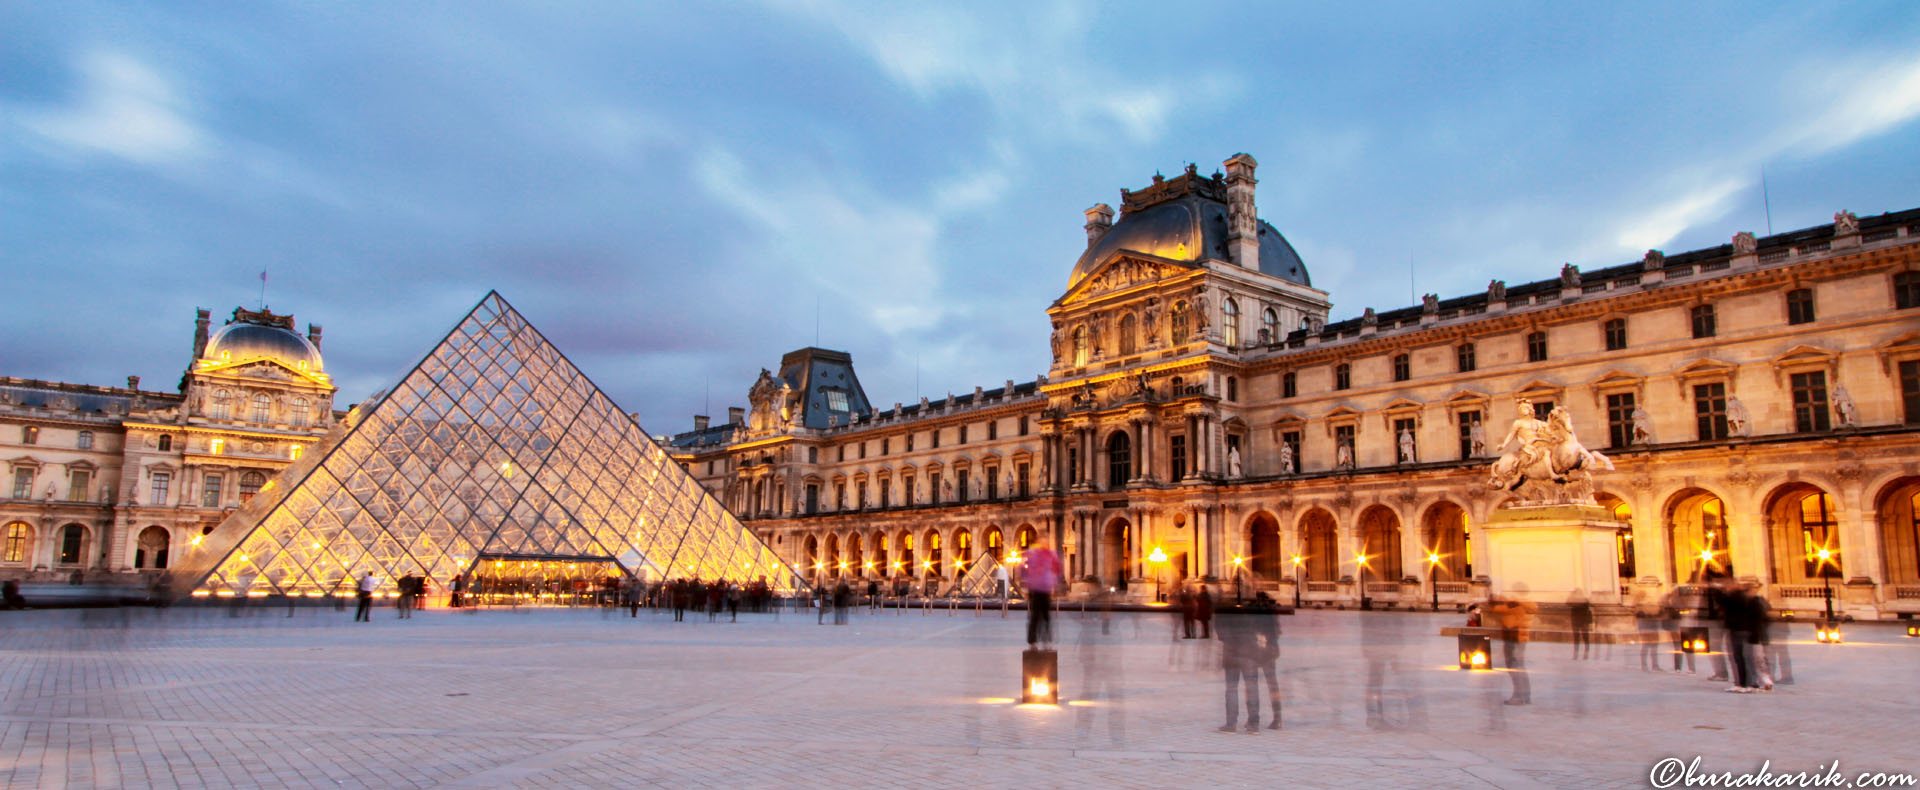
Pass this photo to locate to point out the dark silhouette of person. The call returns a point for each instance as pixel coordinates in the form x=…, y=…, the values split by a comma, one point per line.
x=363, y=613
x=1040, y=574
x=1514, y=615
x=1238, y=667
x=1265, y=617
x=1580, y=611
x=1203, y=611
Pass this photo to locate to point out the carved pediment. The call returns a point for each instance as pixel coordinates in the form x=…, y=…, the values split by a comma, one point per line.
x=1902, y=347
x=1467, y=399
x=1123, y=271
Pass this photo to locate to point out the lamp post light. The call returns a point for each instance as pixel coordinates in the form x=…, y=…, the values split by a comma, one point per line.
x=1433, y=577
x=1297, y=581
x=1237, y=562
x=1365, y=602
x=1826, y=582
x=1159, y=557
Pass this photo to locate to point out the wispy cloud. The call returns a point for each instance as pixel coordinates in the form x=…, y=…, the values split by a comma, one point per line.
x=124, y=108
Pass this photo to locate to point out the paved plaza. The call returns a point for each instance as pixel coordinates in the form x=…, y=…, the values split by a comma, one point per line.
x=194, y=697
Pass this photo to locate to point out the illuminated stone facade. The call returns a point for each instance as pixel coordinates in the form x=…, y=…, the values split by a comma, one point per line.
x=123, y=479
x=1761, y=400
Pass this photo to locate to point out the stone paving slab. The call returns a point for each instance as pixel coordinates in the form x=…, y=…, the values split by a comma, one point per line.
x=193, y=697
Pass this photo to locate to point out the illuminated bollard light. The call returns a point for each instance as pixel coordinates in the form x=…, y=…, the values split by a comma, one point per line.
x=1694, y=640
x=1039, y=677
x=1476, y=652
x=1828, y=633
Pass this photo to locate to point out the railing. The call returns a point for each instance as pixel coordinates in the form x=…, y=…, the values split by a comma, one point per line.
x=1453, y=588
x=1800, y=591
x=1323, y=587
x=1906, y=593
x=1383, y=588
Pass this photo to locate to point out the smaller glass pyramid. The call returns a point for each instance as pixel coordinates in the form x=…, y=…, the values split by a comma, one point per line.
x=493, y=448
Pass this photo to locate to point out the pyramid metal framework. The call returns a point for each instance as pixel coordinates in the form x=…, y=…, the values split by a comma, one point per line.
x=493, y=447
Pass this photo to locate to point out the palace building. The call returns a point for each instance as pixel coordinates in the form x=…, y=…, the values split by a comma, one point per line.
x=121, y=479
x=1203, y=419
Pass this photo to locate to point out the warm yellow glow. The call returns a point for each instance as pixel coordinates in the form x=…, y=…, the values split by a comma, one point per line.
x=927, y=564
x=223, y=593
x=1825, y=555
x=1038, y=687
x=1700, y=645
x=1157, y=555
x=1238, y=560
x=843, y=565
x=216, y=446
x=200, y=593
x=243, y=558
x=1706, y=555
x=897, y=564
x=196, y=539
x=869, y=565
x=1297, y=559
x=1433, y=559
x=1360, y=558
x=1478, y=659
x=959, y=564
x=294, y=452
x=506, y=468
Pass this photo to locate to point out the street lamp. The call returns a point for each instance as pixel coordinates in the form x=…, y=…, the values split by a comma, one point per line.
x=1433, y=577
x=1159, y=557
x=1297, y=581
x=1826, y=582
x=1237, y=562
x=1365, y=602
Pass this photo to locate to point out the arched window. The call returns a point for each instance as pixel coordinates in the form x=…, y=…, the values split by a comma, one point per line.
x=300, y=408
x=1697, y=529
x=1127, y=332
x=1177, y=323
x=1119, y=460
x=1080, y=349
x=152, y=550
x=73, y=540
x=1380, y=542
x=1899, y=517
x=19, y=537
x=220, y=407
x=1322, y=559
x=1230, y=322
x=995, y=548
x=963, y=546
x=262, y=408
x=1024, y=537
x=250, y=484
x=1270, y=324
x=84, y=441
x=934, y=557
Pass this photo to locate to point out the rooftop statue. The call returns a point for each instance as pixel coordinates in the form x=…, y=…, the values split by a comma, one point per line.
x=1547, y=464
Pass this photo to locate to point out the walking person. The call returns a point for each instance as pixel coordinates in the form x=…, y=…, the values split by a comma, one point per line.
x=1203, y=611
x=363, y=612
x=1581, y=612
x=455, y=590
x=1238, y=669
x=1737, y=613
x=1040, y=574
x=1266, y=646
x=407, y=589
x=1515, y=617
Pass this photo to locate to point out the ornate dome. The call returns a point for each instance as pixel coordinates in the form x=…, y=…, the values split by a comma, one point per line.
x=1188, y=228
x=241, y=341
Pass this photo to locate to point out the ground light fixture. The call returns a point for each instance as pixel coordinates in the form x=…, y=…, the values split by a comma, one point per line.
x=1694, y=640
x=1828, y=633
x=1913, y=629
x=1039, y=677
x=1476, y=652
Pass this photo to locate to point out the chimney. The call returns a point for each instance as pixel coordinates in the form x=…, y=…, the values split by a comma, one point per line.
x=133, y=383
x=1243, y=222
x=201, y=317
x=736, y=415
x=700, y=422
x=1099, y=221
x=313, y=335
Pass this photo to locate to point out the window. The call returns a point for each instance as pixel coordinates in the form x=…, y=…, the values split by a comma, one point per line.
x=29, y=434
x=1542, y=409
x=221, y=406
x=1269, y=326
x=1704, y=323
x=1177, y=456
x=1073, y=464
x=1405, y=439
x=1289, y=386
x=1616, y=332
x=23, y=482
x=1020, y=478
x=1233, y=388
x=78, y=481
x=1620, y=420
x=216, y=446
x=863, y=449
x=837, y=400
x=1800, y=306
x=839, y=496
x=813, y=457
x=842, y=450
x=934, y=435
x=1910, y=390
x=1342, y=376
x=1402, y=367
x=933, y=486
x=1291, y=440
x=1119, y=460
x=993, y=430
x=1467, y=419
x=1463, y=357
x=963, y=435
x=886, y=493
x=210, y=489
x=1810, y=411
x=17, y=537
x=160, y=482
x=1023, y=426
x=886, y=446
x=250, y=484
x=84, y=441
x=860, y=495
x=813, y=498
x=1080, y=350
x=1817, y=531
x=1127, y=332
x=72, y=538
x=1343, y=440
x=151, y=552
x=1177, y=323
x=166, y=443
x=1710, y=410
x=299, y=409
x=993, y=482
x=1906, y=290
x=960, y=482
x=1536, y=346
x=1230, y=323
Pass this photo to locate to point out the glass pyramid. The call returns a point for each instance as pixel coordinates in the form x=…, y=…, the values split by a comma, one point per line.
x=494, y=448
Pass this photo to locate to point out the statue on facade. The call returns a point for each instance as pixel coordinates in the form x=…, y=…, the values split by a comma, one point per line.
x=1569, y=276
x=1548, y=454
x=1739, y=424
x=1233, y=463
x=1843, y=406
x=1406, y=446
x=1200, y=313
x=1343, y=455
x=1845, y=224
x=1642, y=426
x=1477, y=438
x=1008, y=491
x=1059, y=342
x=1286, y=458
x=1496, y=290
x=1744, y=243
x=1149, y=319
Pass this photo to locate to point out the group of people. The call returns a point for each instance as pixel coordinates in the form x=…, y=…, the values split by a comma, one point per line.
x=1741, y=642
x=1196, y=609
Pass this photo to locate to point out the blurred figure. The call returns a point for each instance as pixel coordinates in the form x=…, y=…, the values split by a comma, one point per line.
x=455, y=590
x=1761, y=638
x=1040, y=573
x=1580, y=611
x=1514, y=616
x=407, y=594
x=1189, y=613
x=1237, y=665
x=1266, y=660
x=1203, y=611
x=1673, y=621
x=363, y=612
x=1710, y=615
x=1101, y=677
x=10, y=595
x=1738, y=613
x=1646, y=615
x=1385, y=653
x=842, y=599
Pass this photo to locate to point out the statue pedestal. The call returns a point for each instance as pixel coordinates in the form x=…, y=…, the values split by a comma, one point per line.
x=1550, y=554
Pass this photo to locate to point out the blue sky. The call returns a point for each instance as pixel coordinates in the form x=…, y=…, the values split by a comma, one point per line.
x=674, y=192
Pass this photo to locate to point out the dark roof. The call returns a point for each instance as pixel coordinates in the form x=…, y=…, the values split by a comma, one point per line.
x=816, y=373
x=1185, y=219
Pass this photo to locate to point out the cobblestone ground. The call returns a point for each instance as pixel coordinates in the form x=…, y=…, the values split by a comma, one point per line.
x=585, y=698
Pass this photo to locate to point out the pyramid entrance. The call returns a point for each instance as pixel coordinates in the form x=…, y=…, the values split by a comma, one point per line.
x=493, y=447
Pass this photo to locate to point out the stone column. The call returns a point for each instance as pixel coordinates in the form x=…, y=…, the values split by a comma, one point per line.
x=1138, y=449
x=1148, y=437
x=1193, y=447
